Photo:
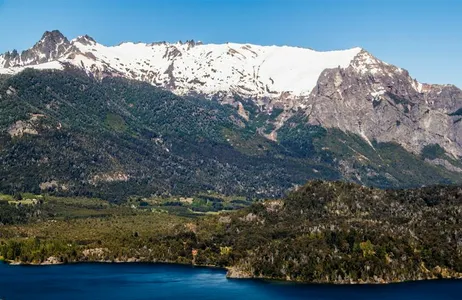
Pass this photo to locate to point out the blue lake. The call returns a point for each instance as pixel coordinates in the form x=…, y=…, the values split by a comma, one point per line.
x=160, y=281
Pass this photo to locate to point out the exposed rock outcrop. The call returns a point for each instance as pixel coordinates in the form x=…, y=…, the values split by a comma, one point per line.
x=382, y=102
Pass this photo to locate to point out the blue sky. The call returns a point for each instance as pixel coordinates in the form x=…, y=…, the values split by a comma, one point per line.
x=423, y=36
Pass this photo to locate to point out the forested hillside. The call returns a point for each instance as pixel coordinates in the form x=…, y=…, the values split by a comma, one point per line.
x=323, y=232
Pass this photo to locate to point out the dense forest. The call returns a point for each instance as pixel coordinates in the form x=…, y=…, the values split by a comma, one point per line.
x=323, y=232
x=65, y=133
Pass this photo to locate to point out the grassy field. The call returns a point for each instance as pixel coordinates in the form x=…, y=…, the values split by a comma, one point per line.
x=202, y=203
x=65, y=227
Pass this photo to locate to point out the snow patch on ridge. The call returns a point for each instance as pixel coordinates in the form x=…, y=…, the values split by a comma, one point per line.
x=377, y=93
x=417, y=86
x=52, y=65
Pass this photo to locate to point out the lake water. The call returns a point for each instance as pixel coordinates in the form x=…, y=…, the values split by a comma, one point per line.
x=160, y=281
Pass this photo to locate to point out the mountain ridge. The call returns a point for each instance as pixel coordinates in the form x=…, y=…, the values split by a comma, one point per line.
x=160, y=58
x=352, y=113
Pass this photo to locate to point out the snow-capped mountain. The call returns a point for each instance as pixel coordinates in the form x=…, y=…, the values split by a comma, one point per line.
x=249, y=70
x=350, y=89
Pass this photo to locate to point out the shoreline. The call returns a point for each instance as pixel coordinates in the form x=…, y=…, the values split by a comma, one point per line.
x=232, y=276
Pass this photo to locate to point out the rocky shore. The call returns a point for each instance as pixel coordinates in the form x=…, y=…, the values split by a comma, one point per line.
x=239, y=272
x=435, y=274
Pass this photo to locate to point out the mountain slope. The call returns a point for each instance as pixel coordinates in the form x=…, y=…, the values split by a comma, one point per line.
x=350, y=90
x=67, y=133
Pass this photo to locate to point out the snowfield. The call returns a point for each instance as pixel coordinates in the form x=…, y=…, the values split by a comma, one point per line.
x=250, y=70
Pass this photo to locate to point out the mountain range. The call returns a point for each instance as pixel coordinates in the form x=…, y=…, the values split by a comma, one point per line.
x=283, y=114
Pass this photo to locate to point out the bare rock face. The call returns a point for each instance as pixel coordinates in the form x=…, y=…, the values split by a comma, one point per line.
x=22, y=127
x=238, y=272
x=52, y=260
x=382, y=102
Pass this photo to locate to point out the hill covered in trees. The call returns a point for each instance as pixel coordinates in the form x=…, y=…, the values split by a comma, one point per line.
x=323, y=232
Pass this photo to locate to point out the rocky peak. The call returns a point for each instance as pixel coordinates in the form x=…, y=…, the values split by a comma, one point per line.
x=190, y=44
x=158, y=43
x=384, y=78
x=52, y=38
x=447, y=98
x=6, y=58
x=365, y=63
x=51, y=46
x=381, y=102
x=85, y=40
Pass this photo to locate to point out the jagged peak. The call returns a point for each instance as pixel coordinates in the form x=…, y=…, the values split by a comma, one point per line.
x=189, y=43
x=85, y=39
x=52, y=37
x=51, y=46
x=366, y=63
x=158, y=43
x=52, y=34
x=366, y=57
x=12, y=53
